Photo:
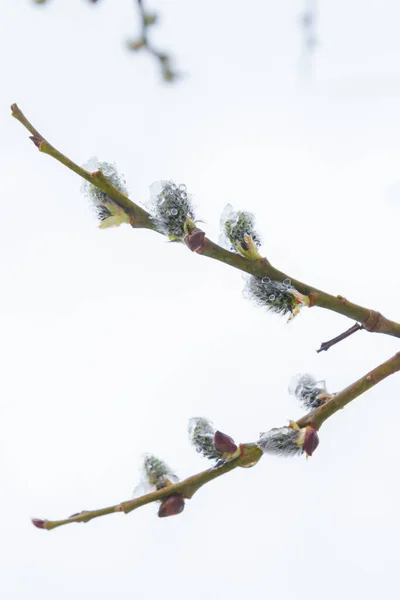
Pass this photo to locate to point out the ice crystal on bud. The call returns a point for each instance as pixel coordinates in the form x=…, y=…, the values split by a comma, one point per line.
x=279, y=297
x=238, y=233
x=155, y=475
x=310, y=393
x=281, y=441
x=171, y=209
x=201, y=435
x=107, y=211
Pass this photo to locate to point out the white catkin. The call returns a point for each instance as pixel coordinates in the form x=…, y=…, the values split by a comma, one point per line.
x=201, y=435
x=273, y=295
x=281, y=441
x=104, y=207
x=310, y=393
x=235, y=225
x=155, y=474
x=170, y=206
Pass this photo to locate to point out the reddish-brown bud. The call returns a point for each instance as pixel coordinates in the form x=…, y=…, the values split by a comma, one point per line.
x=224, y=443
x=36, y=140
x=196, y=241
x=171, y=506
x=39, y=523
x=311, y=440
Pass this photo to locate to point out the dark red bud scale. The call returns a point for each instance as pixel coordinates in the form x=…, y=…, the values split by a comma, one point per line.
x=196, y=241
x=224, y=443
x=311, y=440
x=171, y=506
x=39, y=523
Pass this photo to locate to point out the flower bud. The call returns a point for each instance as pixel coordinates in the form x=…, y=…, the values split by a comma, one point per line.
x=155, y=475
x=196, y=240
x=171, y=209
x=224, y=443
x=276, y=296
x=107, y=211
x=310, y=393
x=239, y=234
x=39, y=523
x=281, y=441
x=311, y=440
x=201, y=435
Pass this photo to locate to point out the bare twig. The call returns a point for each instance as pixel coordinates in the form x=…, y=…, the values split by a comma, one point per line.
x=339, y=338
x=250, y=454
x=370, y=320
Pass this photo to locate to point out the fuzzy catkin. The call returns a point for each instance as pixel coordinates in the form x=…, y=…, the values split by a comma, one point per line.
x=281, y=441
x=201, y=435
x=101, y=202
x=170, y=208
x=277, y=296
x=236, y=226
x=310, y=393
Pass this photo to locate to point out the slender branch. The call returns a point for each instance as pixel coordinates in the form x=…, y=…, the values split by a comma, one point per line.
x=250, y=454
x=141, y=217
x=371, y=320
x=339, y=338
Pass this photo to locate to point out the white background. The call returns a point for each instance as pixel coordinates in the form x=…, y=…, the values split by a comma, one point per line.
x=111, y=340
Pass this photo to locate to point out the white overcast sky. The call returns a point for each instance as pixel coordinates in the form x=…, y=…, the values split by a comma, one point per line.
x=111, y=340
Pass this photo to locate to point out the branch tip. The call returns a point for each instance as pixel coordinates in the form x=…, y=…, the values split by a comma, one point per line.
x=39, y=523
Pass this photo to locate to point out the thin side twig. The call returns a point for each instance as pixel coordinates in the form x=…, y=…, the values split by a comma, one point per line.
x=326, y=345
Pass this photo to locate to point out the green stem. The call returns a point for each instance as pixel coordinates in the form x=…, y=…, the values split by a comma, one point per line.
x=250, y=454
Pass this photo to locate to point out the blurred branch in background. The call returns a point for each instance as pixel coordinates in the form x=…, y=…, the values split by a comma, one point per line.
x=147, y=19
x=143, y=43
x=308, y=27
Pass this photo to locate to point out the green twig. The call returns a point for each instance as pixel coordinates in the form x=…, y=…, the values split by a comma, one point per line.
x=250, y=454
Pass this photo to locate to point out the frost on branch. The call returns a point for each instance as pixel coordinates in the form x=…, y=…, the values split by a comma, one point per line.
x=171, y=209
x=238, y=233
x=276, y=296
x=107, y=211
x=310, y=393
x=212, y=444
x=289, y=441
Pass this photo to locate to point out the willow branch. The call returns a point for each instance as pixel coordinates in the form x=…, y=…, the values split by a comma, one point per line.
x=250, y=454
x=370, y=320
